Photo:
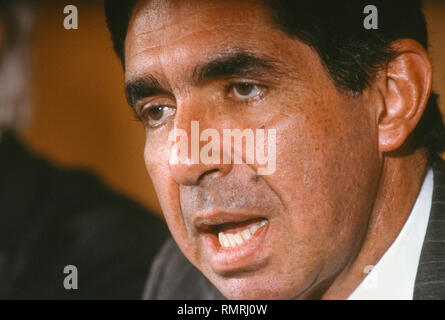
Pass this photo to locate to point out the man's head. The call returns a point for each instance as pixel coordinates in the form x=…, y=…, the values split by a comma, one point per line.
x=340, y=98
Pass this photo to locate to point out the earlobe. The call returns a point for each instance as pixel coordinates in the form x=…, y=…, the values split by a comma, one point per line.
x=407, y=87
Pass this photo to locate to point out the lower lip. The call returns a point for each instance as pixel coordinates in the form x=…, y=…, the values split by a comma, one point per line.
x=248, y=256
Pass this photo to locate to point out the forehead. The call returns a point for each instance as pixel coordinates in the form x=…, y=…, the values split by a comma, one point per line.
x=184, y=30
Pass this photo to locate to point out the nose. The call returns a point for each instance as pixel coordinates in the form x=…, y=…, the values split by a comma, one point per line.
x=188, y=174
x=195, y=154
x=189, y=168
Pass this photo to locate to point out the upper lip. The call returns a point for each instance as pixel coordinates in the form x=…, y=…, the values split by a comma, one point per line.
x=210, y=220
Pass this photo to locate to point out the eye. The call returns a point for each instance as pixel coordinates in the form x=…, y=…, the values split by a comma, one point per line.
x=245, y=90
x=156, y=115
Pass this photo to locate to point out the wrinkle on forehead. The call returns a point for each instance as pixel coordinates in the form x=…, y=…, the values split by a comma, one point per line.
x=157, y=40
x=155, y=23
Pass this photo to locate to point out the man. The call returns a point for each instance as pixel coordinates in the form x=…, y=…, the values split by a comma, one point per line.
x=63, y=233
x=357, y=134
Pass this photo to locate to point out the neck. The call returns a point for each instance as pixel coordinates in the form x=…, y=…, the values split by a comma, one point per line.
x=400, y=182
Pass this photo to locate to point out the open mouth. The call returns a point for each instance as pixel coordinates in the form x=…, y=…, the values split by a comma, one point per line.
x=233, y=235
x=232, y=244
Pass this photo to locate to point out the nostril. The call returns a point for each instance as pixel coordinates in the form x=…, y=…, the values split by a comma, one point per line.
x=206, y=173
x=188, y=174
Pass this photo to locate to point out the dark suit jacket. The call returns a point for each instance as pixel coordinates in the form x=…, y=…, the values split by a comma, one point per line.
x=173, y=277
x=50, y=218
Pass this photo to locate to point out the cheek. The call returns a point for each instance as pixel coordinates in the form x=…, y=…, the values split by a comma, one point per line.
x=156, y=157
x=325, y=190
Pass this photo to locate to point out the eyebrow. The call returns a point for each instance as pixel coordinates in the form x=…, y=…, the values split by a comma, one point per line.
x=231, y=63
x=234, y=63
x=142, y=87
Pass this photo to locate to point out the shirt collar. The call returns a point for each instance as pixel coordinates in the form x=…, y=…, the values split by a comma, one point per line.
x=393, y=277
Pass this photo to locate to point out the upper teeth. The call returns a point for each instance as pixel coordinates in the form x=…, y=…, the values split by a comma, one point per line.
x=232, y=240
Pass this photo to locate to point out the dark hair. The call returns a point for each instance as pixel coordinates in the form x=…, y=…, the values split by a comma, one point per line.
x=351, y=53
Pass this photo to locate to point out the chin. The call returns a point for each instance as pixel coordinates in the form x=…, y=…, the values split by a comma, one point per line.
x=256, y=289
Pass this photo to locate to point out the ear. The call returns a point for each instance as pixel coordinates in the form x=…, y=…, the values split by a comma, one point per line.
x=405, y=87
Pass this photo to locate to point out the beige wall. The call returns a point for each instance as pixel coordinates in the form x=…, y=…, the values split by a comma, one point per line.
x=435, y=13
x=80, y=114
x=81, y=117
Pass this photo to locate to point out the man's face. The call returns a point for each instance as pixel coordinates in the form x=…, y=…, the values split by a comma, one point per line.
x=226, y=65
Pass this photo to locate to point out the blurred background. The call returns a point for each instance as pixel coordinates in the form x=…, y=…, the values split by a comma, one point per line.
x=80, y=117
